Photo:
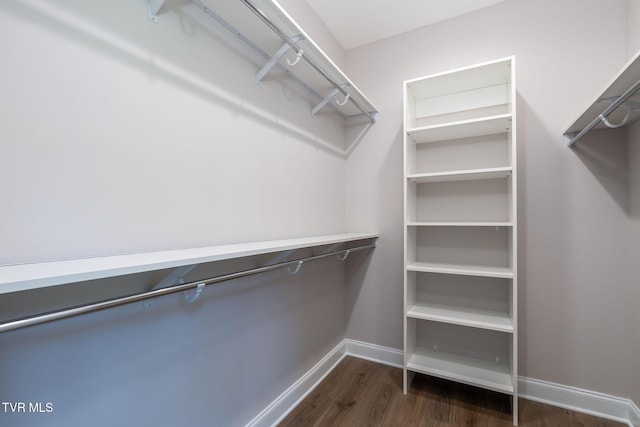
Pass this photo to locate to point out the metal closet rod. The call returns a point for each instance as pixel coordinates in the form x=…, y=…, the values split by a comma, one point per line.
x=89, y=308
x=610, y=109
x=263, y=17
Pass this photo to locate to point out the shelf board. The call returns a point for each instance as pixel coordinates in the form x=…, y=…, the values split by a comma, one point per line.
x=20, y=277
x=462, y=270
x=462, y=369
x=462, y=175
x=465, y=316
x=265, y=41
x=461, y=129
x=460, y=224
x=626, y=78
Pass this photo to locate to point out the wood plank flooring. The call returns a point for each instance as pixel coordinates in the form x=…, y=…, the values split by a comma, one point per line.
x=362, y=393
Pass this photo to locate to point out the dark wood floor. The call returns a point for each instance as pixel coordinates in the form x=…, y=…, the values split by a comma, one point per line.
x=362, y=393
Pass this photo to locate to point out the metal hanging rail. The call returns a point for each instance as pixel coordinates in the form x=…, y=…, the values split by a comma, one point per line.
x=603, y=116
x=198, y=285
x=288, y=40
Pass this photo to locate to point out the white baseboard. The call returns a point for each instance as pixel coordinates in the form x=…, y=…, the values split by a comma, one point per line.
x=579, y=400
x=634, y=415
x=291, y=397
x=375, y=353
x=575, y=399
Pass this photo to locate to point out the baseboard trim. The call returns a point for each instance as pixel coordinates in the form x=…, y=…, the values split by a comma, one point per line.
x=575, y=399
x=634, y=415
x=291, y=397
x=580, y=400
x=375, y=353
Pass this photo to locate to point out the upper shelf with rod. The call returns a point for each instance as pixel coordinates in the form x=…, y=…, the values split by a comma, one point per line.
x=617, y=106
x=21, y=277
x=267, y=29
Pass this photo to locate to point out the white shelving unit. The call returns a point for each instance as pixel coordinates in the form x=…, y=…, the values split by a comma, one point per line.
x=460, y=281
x=21, y=277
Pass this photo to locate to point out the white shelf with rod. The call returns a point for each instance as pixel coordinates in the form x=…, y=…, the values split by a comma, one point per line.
x=618, y=105
x=16, y=278
x=21, y=277
x=460, y=230
x=266, y=28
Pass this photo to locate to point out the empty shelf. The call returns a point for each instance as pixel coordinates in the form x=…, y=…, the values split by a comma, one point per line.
x=463, y=369
x=462, y=175
x=465, y=316
x=463, y=270
x=460, y=224
x=461, y=129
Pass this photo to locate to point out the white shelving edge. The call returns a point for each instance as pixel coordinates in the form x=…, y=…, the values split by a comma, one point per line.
x=462, y=175
x=465, y=316
x=20, y=277
x=460, y=224
x=463, y=369
x=463, y=270
x=461, y=129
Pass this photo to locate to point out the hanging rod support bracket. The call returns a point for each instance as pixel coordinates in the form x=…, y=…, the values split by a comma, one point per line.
x=153, y=7
x=276, y=57
x=176, y=276
x=329, y=97
x=196, y=293
x=295, y=271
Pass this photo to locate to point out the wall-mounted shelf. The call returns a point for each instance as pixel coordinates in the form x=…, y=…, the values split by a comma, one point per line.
x=618, y=104
x=269, y=30
x=14, y=278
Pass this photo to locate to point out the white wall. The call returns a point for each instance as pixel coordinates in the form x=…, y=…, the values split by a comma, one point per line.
x=573, y=204
x=120, y=135
x=131, y=136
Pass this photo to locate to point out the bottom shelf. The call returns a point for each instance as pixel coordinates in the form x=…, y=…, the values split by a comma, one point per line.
x=462, y=369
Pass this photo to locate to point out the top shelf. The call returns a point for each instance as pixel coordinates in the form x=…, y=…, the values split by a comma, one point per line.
x=21, y=277
x=461, y=129
x=626, y=79
x=265, y=27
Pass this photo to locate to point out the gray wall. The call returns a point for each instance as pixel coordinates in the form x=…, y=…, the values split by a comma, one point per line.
x=573, y=204
x=120, y=135
x=633, y=135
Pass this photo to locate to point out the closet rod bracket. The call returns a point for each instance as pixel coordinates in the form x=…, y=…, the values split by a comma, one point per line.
x=295, y=270
x=196, y=293
x=153, y=7
x=329, y=97
x=276, y=57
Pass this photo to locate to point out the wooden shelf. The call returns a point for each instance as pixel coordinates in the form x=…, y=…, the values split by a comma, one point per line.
x=461, y=175
x=462, y=270
x=460, y=224
x=465, y=316
x=14, y=278
x=463, y=369
x=461, y=129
